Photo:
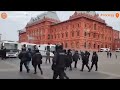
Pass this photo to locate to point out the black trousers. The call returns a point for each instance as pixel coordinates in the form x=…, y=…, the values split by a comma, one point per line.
x=35, y=68
x=96, y=65
x=75, y=66
x=86, y=66
x=25, y=64
x=59, y=73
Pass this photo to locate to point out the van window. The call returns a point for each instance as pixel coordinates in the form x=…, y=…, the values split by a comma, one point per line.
x=48, y=48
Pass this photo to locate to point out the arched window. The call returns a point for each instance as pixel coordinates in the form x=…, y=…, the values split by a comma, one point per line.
x=94, y=46
x=72, y=33
x=94, y=26
x=85, y=45
x=85, y=34
x=106, y=46
x=66, y=34
x=55, y=36
x=62, y=35
x=89, y=46
x=78, y=33
x=98, y=46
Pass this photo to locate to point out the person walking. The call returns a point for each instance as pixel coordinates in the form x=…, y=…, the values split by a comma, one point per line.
x=58, y=65
x=107, y=54
x=70, y=59
x=48, y=56
x=76, y=58
x=37, y=61
x=85, y=61
x=23, y=59
x=110, y=54
x=29, y=52
x=116, y=56
x=94, y=61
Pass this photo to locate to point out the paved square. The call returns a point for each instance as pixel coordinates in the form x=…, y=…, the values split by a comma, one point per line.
x=109, y=68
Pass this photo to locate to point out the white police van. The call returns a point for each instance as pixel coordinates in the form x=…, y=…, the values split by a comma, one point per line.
x=104, y=49
x=11, y=48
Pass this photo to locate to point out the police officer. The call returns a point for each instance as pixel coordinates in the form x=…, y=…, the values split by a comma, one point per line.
x=58, y=65
x=94, y=61
x=23, y=57
x=29, y=58
x=85, y=61
x=48, y=56
x=37, y=61
x=70, y=58
x=76, y=58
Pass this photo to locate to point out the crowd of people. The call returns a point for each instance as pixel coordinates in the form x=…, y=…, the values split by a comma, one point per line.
x=61, y=61
x=26, y=56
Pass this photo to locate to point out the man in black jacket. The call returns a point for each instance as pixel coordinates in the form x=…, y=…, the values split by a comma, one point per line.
x=85, y=61
x=37, y=61
x=76, y=58
x=94, y=61
x=23, y=57
x=29, y=58
x=70, y=59
x=59, y=61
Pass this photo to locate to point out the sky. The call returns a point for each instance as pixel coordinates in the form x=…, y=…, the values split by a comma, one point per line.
x=17, y=20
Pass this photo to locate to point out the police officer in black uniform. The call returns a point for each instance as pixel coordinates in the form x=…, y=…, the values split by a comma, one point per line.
x=59, y=61
x=94, y=61
x=76, y=58
x=23, y=57
x=85, y=60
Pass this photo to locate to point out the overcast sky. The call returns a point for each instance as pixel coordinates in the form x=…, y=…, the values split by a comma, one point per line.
x=18, y=19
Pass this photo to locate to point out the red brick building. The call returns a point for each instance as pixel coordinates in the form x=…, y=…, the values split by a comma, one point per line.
x=84, y=30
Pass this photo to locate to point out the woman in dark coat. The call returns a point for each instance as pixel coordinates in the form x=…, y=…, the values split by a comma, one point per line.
x=36, y=61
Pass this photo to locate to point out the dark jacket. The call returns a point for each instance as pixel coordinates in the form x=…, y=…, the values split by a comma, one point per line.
x=85, y=59
x=59, y=60
x=37, y=59
x=70, y=58
x=23, y=56
x=29, y=54
x=76, y=57
x=94, y=58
